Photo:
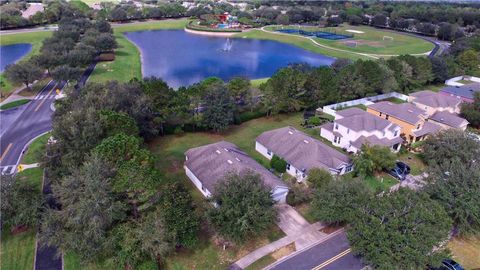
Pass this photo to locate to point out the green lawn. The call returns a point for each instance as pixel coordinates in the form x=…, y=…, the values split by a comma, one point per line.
x=127, y=64
x=14, y=104
x=34, y=38
x=258, y=82
x=382, y=182
x=17, y=250
x=300, y=42
x=35, y=150
x=417, y=166
x=261, y=263
x=372, y=41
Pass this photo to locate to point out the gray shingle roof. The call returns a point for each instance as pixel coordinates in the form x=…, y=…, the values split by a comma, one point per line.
x=405, y=111
x=358, y=120
x=428, y=128
x=210, y=163
x=374, y=140
x=449, y=119
x=435, y=100
x=465, y=91
x=301, y=150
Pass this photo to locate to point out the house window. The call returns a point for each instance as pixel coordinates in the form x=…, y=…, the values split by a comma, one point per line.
x=348, y=131
x=204, y=189
x=336, y=126
x=288, y=166
x=395, y=133
x=380, y=114
x=386, y=116
x=349, y=168
x=269, y=152
x=336, y=139
x=418, y=126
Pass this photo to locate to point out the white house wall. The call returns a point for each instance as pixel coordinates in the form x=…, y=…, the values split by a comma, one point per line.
x=197, y=182
x=262, y=150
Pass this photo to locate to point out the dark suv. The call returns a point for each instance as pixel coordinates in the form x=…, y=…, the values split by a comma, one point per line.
x=400, y=171
x=448, y=264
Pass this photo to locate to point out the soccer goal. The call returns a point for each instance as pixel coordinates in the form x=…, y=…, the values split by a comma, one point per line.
x=388, y=38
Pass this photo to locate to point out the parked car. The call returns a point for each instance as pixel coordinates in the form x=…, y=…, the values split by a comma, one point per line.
x=448, y=264
x=400, y=171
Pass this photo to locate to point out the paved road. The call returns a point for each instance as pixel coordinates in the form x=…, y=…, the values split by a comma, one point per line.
x=35, y=119
x=331, y=254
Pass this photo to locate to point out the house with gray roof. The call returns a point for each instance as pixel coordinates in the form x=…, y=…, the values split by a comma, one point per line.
x=411, y=119
x=433, y=102
x=301, y=152
x=449, y=120
x=354, y=127
x=207, y=165
x=465, y=92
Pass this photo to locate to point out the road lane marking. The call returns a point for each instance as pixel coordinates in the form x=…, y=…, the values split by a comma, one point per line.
x=6, y=151
x=43, y=100
x=331, y=260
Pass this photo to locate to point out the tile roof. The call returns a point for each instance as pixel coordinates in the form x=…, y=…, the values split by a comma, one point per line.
x=449, y=119
x=435, y=100
x=465, y=91
x=210, y=163
x=405, y=111
x=359, y=120
x=301, y=150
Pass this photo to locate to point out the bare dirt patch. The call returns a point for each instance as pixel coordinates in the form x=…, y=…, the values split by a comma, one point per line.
x=284, y=251
x=330, y=229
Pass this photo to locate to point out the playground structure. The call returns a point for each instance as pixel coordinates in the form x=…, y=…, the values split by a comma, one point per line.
x=331, y=35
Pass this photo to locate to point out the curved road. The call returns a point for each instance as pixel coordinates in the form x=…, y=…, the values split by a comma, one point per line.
x=34, y=120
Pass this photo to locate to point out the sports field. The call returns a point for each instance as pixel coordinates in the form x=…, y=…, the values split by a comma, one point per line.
x=368, y=40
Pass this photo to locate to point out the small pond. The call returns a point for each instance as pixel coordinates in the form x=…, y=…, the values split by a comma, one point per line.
x=182, y=58
x=10, y=54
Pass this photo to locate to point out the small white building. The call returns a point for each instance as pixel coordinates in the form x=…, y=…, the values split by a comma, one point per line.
x=301, y=152
x=207, y=165
x=354, y=127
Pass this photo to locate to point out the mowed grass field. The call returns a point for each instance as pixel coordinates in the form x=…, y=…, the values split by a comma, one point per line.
x=127, y=63
x=370, y=40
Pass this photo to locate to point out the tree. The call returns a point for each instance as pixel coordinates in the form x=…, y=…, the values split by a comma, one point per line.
x=65, y=73
x=449, y=146
x=403, y=229
x=239, y=88
x=439, y=69
x=471, y=111
x=283, y=19
x=320, y=87
x=354, y=19
x=21, y=202
x=284, y=90
x=245, y=206
x=456, y=187
x=25, y=72
x=379, y=20
x=219, y=108
x=89, y=209
x=118, y=14
x=319, y=178
x=469, y=61
x=179, y=214
x=373, y=159
x=446, y=31
x=278, y=164
x=338, y=201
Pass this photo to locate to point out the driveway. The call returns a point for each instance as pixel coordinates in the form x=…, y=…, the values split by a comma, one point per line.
x=414, y=182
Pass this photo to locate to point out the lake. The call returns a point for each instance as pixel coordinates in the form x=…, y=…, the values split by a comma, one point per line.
x=10, y=54
x=182, y=58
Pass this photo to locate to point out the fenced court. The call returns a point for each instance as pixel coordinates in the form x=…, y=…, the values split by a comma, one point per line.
x=325, y=34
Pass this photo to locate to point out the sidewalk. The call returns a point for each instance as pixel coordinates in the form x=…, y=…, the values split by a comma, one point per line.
x=296, y=228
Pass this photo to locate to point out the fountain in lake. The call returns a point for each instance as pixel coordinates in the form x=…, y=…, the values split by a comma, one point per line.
x=228, y=45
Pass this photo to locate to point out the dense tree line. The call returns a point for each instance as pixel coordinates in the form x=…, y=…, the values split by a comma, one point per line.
x=68, y=51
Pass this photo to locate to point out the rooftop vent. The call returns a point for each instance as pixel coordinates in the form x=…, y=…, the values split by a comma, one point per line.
x=237, y=159
x=229, y=161
x=226, y=150
x=410, y=111
x=218, y=152
x=305, y=141
x=291, y=133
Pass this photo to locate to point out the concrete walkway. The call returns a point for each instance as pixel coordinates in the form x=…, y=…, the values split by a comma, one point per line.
x=296, y=228
x=414, y=182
